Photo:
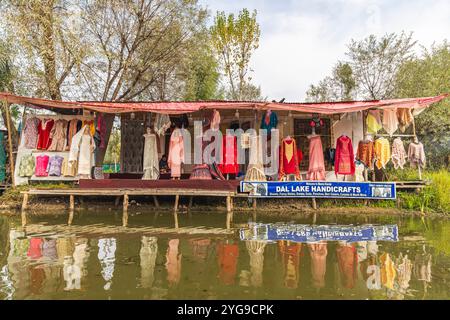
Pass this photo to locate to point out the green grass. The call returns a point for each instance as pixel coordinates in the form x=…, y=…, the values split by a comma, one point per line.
x=13, y=195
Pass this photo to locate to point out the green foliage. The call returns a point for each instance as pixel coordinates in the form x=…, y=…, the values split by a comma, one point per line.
x=234, y=40
x=112, y=154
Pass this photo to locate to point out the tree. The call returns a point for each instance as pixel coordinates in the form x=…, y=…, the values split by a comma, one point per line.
x=375, y=63
x=429, y=75
x=235, y=40
x=340, y=86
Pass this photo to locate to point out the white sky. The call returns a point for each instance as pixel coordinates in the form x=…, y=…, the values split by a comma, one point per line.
x=302, y=40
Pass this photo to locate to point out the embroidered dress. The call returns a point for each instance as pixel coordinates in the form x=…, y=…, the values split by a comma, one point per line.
x=269, y=121
x=176, y=153
x=316, y=170
x=68, y=170
x=289, y=159
x=416, y=155
x=229, y=155
x=150, y=163
x=390, y=121
x=44, y=130
x=344, y=162
x=382, y=153
x=41, y=166
x=366, y=153
x=72, y=130
x=405, y=118
x=398, y=153
x=85, y=156
x=373, y=121
x=54, y=166
x=30, y=132
x=27, y=166
x=58, y=136
x=255, y=171
x=162, y=123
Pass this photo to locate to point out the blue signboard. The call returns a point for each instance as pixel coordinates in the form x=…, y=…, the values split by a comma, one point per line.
x=311, y=233
x=319, y=189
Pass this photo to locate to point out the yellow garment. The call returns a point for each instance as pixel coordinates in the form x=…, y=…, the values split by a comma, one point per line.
x=373, y=122
x=388, y=272
x=91, y=125
x=69, y=170
x=382, y=152
x=289, y=149
x=405, y=118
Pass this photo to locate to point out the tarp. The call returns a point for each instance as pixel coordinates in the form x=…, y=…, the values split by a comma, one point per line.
x=180, y=107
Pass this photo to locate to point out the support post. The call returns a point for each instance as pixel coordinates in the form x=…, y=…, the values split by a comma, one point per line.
x=254, y=203
x=314, y=203
x=125, y=210
x=71, y=209
x=231, y=203
x=10, y=147
x=415, y=136
x=228, y=203
x=228, y=221
x=155, y=200
x=24, y=209
x=177, y=200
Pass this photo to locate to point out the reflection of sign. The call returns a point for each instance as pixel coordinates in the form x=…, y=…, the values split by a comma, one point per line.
x=309, y=233
x=318, y=189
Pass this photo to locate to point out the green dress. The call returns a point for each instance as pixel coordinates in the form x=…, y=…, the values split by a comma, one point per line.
x=27, y=166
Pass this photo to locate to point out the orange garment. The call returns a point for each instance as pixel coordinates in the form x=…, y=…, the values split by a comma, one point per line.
x=366, y=153
x=347, y=262
x=318, y=253
x=388, y=272
x=91, y=125
x=290, y=254
x=173, y=263
x=405, y=118
x=227, y=257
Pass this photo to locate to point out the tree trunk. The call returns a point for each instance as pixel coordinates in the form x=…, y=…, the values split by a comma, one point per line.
x=14, y=132
x=100, y=155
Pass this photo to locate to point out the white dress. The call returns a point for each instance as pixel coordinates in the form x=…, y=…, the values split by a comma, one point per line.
x=84, y=159
x=151, y=165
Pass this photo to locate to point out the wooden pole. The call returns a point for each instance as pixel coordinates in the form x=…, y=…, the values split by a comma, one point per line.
x=71, y=209
x=254, y=203
x=125, y=210
x=24, y=209
x=314, y=204
x=415, y=137
x=175, y=210
x=228, y=221
x=228, y=203
x=155, y=200
x=11, y=158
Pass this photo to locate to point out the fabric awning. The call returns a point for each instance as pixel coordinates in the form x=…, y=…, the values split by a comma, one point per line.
x=180, y=107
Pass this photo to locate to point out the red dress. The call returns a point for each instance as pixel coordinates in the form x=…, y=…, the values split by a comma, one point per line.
x=44, y=130
x=229, y=155
x=290, y=158
x=344, y=161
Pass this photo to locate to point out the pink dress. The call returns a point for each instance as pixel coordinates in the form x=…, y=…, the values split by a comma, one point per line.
x=41, y=166
x=176, y=153
x=316, y=169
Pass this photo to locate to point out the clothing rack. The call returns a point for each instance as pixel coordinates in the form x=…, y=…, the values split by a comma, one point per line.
x=64, y=117
x=396, y=135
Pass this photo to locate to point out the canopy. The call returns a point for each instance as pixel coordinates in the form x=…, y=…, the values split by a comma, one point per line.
x=180, y=107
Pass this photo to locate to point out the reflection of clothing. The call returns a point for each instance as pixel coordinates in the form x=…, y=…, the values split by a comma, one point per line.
x=227, y=257
x=65, y=248
x=173, y=263
x=229, y=155
x=382, y=153
x=316, y=169
x=344, y=162
x=289, y=159
x=41, y=166
x=390, y=121
x=388, y=272
x=107, y=257
x=58, y=136
x=404, y=268
x=150, y=163
x=290, y=254
x=422, y=267
x=318, y=253
x=27, y=166
x=49, y=249
x=148, y=252
x=366, y=153
x=44, y=130
x=373, y=121
x=398, y=153
x=346, y=255
x=35, y=249
x=256, y=252
x=416, y=155
x=30, y=132
x=176, y=153
x=200, y=248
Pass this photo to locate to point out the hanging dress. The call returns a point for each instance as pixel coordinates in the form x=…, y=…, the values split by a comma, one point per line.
x=73, y=128
x=41, y=166
x=416, y=155
x=398, y=153
x=316, y=170
x=373, y=122
x=44, y=130
x=58, y=136
x=382, y=153
x=27, y=166
x=344, y=162
x=289, y=159
x=255, y=171
x=229, y=155
x=54, y=166
x=366, y=153
x=176, y=153
x=161, y=124
x=269, y=121
x=80, y=152
x=405, y=118
x=30, y=132
x=390, y=121
x=150, y=163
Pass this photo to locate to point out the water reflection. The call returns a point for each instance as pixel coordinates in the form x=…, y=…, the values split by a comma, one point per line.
x=162, y=266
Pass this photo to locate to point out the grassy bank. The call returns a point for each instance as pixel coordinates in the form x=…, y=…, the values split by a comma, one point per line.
x=433, y=199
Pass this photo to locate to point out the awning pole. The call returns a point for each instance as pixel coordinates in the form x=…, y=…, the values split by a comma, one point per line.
x=415, y=137
x=11, y=158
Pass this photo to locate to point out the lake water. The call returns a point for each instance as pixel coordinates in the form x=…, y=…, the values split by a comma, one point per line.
x=96, y=258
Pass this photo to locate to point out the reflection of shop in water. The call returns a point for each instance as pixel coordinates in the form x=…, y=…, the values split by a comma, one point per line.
x=347, y=262
x=256, y=252
x=290, y=255
x=318, y=253
x=107, y=257
x=227, y=255
x=173, y=262
x=147, y=254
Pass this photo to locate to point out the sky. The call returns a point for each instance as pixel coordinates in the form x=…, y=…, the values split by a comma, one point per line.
x=302, y=40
